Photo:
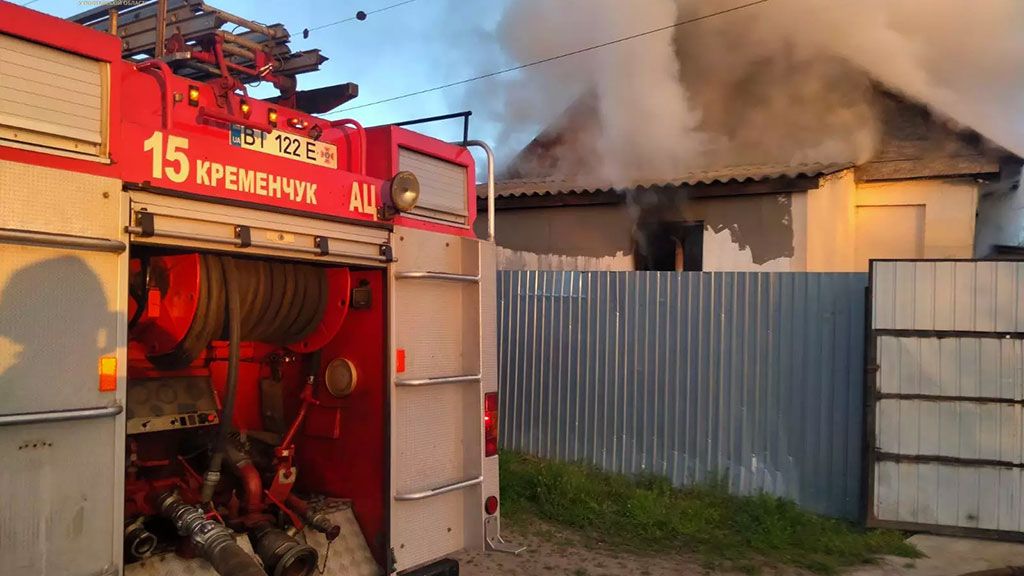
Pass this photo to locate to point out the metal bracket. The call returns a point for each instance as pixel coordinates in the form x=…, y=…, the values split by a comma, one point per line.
x=244, y=235
x=387, y=253
x=495, y=543
x=392, y=560
x=145, y=222
x=324, y=244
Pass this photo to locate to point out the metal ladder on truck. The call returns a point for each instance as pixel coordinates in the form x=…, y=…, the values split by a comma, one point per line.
x=444, y=344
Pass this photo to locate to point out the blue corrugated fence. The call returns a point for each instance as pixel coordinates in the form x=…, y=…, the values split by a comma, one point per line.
x=751, y=377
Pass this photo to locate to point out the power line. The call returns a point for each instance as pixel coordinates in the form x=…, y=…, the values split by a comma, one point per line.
x=361, y=15
x=30, y=2
x=551, y=58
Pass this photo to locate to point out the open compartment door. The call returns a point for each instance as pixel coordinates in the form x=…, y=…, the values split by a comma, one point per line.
x=437, y=448
x=63, y=283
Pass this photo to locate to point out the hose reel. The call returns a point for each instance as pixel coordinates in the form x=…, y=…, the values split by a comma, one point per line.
x=296, y=305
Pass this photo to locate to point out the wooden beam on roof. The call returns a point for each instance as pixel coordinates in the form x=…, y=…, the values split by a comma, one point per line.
x=940, y=167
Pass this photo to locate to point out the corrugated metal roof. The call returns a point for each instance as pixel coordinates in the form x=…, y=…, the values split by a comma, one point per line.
x=749, y=173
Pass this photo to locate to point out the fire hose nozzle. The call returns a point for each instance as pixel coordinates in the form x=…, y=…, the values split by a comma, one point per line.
x=281, y=554
x=215, y=542
x=138, y=541
x=321, y=523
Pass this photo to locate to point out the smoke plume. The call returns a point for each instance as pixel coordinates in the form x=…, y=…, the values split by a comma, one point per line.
x=787, y=81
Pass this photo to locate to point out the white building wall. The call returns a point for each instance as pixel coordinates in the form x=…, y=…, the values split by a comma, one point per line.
x=721, y=254
x=843, y=229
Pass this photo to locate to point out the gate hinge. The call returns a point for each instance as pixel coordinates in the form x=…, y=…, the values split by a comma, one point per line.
x=872, y=368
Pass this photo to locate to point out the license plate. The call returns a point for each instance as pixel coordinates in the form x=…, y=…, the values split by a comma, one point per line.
x=285, y=145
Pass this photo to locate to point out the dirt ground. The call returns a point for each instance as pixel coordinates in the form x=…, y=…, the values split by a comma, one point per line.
x=554, y=552
x=947, y=556
x=551, y=552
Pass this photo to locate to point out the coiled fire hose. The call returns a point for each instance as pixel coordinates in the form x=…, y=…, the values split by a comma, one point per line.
x=212, y=477
x=279, y=303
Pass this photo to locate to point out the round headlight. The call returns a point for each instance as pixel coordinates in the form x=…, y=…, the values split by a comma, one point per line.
x=405, y=191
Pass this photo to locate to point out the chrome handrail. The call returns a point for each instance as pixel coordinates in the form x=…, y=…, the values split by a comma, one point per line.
x=59, y=415
x=440, y=490
x=61, y=240
x=439, y=380
x=490, y=184
x=438, y=276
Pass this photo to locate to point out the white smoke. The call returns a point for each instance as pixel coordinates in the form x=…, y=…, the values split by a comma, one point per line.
x=787, y=81
x=637, y=99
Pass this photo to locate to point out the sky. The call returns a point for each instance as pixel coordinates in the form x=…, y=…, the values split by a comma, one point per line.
x=410, y=47
x=419, y=44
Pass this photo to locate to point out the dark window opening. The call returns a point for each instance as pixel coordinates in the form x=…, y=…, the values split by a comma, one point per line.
x=669, y=246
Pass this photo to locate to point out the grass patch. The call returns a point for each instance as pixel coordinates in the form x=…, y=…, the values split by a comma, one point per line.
x=649, y=514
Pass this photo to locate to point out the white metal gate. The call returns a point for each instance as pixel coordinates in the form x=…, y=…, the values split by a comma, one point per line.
x=946, y=389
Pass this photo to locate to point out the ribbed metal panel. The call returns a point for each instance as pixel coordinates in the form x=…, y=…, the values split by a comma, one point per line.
x=50, y=97
x=940, y=497
x=442, y=186
x=951, y=366
x=966, y=295
x=947, y=451
x=752, y=378
x=742, y=173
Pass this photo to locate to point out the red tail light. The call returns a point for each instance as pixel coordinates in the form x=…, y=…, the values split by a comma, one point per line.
x=491, y=505
x=491, y=424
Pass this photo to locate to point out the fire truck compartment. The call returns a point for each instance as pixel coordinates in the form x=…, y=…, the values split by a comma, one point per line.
x=236, y=337
x=328, y=430
x=259, y=340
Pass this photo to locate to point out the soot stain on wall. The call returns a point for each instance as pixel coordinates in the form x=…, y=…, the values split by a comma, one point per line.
x=592, y=231
x=760, y=223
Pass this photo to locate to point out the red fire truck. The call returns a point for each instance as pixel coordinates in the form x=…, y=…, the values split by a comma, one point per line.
x=235, y=338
